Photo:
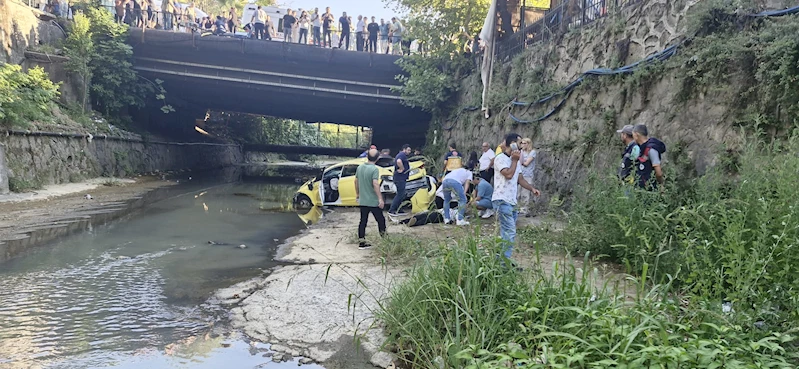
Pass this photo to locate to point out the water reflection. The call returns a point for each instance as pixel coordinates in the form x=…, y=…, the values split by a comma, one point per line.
x=310, y=216
x=132, y=288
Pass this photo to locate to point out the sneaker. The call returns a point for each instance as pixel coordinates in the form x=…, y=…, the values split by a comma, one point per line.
x=447, y=221
x=487, y=214
x=412, y=222
x=364, y=246
x=462, y=222
x=480, y=213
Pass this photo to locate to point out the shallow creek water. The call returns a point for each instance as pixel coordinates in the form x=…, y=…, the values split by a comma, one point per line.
x=133, y=293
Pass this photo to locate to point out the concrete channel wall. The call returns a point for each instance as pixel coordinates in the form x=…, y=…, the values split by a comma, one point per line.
x=34, y=159
x=3, y=171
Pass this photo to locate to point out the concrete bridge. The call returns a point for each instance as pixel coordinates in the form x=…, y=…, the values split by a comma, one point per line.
x=280, y=79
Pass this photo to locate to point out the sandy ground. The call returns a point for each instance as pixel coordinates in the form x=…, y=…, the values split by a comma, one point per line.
x=328, y=290
x=325, y=296
x=20, y=212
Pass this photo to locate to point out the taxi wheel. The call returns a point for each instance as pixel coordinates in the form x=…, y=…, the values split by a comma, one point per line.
x=303, y=202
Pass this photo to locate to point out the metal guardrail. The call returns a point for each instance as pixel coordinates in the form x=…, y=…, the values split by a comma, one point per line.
x=563, y=16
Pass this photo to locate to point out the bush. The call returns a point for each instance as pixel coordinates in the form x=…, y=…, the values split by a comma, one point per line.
x=725, y=239
x=468, y=310
x=431, y=80
x=464, y=298
x=103, y=60
x=752, y=60
x=25, y=97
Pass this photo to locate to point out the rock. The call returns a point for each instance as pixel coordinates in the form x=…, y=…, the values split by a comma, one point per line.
x=382, y=359
x=276, y=240
x=88, y=197
x=305, y=361
x=268, y=354
x=242, y=247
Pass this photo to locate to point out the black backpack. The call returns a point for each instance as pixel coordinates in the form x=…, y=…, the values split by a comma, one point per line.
x=654, y=143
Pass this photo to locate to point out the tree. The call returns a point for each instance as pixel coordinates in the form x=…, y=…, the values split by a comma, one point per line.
x=79, y=48
x=99, y=54
x=442, y=25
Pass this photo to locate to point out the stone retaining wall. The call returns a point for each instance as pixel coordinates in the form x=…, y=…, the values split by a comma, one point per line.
x=34, y=161
x=3, y=171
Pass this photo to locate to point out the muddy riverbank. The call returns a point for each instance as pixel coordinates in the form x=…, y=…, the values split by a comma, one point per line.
x=321, y=303
x=322, y=298
x=30, y=219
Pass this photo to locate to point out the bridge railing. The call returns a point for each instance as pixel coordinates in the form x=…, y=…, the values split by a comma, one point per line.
x=563, y=15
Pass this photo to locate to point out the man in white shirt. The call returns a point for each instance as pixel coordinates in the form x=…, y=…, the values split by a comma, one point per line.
x=487, y=163
x=506, y=178
x=455, y=182
x=316, y=20
x=360, y=27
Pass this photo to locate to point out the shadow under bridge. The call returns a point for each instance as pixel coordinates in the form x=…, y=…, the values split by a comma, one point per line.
x=279, y=79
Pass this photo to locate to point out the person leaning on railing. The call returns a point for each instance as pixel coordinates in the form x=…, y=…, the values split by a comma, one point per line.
x=167, y=9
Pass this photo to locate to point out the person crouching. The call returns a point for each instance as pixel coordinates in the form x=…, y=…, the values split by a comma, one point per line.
x=456, y=182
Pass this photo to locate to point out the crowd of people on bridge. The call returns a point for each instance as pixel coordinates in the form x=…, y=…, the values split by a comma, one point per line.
x=499, y=182
x=322, y=29
x=316, y=28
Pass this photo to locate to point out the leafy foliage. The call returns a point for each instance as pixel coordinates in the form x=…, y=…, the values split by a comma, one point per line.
x=721, y=239
x=442, y=26
x=25, y=97
x=98, y=52
x=431, y=81
x=467, y=309
x=79, y=48
x=759, y=59
x=254, y=129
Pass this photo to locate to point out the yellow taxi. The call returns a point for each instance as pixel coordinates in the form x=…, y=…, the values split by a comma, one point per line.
x=335, y=186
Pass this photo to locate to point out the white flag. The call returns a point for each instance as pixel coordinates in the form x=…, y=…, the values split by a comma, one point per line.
x=487, y=40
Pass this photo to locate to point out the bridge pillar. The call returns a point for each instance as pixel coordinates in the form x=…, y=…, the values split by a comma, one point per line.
x=3, y=171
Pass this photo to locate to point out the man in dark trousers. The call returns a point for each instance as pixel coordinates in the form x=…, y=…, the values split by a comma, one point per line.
x=373, y=29
x=401, y=168
x=327, y=24
x=370, y=200
x=344, y=27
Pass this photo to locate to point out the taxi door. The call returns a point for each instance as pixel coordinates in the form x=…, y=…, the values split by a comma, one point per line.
x=346, y=185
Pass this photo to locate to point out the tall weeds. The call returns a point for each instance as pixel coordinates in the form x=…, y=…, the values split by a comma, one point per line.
x=468, y=309
x=733, y=237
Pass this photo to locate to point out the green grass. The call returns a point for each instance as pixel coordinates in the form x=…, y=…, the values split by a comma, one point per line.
x=468, y=309
x=726, y=236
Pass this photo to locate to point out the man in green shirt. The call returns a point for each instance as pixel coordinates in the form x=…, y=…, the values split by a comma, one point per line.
x=370, y=200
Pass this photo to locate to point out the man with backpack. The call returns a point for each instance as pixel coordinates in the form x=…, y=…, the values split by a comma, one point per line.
x=649, y=160
x=630, y=155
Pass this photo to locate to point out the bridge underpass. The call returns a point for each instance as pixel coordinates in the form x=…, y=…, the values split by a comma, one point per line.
x=293, y=81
